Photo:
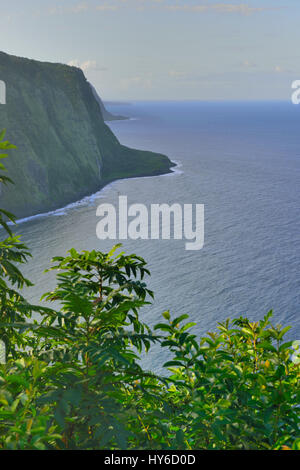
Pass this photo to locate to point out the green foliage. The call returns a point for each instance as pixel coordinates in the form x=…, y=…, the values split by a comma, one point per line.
x=74, y=380
x=13, y=307
x=239, y=385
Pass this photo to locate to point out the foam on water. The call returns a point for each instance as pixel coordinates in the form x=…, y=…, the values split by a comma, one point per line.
x=88, y=200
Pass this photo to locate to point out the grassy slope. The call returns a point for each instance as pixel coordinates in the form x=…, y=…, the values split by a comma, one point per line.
x=54, y=119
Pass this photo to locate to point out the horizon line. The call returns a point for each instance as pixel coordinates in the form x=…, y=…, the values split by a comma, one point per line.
x=185, y=100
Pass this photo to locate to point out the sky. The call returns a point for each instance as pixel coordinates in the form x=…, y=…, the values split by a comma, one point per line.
x=164, y=49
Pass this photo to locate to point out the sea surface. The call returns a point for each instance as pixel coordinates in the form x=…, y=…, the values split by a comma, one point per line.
x=241, y=160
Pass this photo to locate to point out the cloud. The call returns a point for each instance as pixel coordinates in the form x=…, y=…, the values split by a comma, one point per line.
x=140, y=5
x=242, y=9
x=248, y=65
x=106, y=7
x=79, y=8
x=59, y=9
x=86, y=65
x=176, y=74
x=142, y=82
x=280, y=69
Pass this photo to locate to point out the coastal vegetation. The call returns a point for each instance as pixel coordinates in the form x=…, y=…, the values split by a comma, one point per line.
x=72, y=377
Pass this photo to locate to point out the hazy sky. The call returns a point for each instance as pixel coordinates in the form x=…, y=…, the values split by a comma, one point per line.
x=164, y=49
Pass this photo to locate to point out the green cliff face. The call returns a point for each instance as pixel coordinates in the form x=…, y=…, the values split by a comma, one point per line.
x=107, y=116
x=65, y=150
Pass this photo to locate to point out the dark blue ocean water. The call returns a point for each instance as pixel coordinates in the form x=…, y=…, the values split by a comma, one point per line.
x=241, y=160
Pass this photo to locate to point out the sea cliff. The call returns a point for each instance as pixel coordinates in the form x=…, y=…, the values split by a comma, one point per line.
x=65, y=149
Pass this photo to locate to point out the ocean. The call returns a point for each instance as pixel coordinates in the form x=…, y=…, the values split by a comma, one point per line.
x=239, y=159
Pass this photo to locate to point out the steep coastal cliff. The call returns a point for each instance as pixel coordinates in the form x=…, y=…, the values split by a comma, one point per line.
x=107, y=116
x=65, y=150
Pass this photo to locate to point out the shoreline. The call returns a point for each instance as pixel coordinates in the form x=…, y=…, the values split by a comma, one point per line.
x=174, y=170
